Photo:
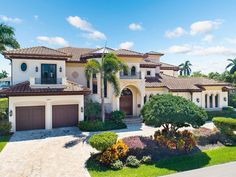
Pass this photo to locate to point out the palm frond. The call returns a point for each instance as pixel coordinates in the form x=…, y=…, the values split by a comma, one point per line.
x=92, y=67
x=113, y=80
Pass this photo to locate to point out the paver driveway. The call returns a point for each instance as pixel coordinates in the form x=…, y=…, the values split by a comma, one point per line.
x=45, y=153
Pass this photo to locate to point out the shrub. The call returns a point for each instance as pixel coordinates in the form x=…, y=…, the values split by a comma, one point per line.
x=183, y=141
x=132, y=161
x=172, y=112
x=117, y=116
x=5, y=127
x=117, y=165
x=134, y=142
x=228, y=108
x=92, y=110
x=226, y=125
x=116, y=151
x=102, y=141
x=146, y=159
x=232, y=100
x=221, y=113
x=206, y=136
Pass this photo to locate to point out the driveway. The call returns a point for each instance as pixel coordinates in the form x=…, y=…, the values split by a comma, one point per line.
x=46, y=153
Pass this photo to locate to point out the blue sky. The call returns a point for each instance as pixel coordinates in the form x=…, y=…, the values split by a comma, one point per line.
x=200, y=31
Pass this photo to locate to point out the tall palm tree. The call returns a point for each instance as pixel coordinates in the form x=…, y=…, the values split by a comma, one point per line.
x=107, y=67
x=185, y=68
x=231, y=65
x=7, y=38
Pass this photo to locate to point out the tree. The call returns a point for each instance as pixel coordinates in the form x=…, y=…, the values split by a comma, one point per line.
x=185, y=68
x=231, y=65
x=107, y=67
x=198, y=74
x=215, y=76
x=3, y=74
x=7, y=38
x=172, y=112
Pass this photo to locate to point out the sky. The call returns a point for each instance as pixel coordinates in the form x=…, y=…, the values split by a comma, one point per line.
x=202, y=32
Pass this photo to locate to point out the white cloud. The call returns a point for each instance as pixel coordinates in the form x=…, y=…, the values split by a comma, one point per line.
x=231, y=40
x=53, y=40
x=204, y=26
x=84, y=25
x=186, y=48
x=10, y=19
x=36, y=17
x=208, y=38
x=126, y=45
x=135, y=26
x=179, y=31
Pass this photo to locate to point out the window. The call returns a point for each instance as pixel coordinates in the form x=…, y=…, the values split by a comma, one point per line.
x=205, y=101
x=23, y=66
x=133, y=71
x=105, y=88
x=217, y=101
x=95, y=84
x=88, y=83
x=125, y=72
x=145, y=99
x=148, y=73
x=211, y=101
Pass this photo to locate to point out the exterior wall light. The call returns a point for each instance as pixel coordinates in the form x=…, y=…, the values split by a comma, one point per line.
x=82, y=109
x=225, y=99
x=10, y=113
x=60, y=69
x=198, y=100
x=36, y=69
x=139, y=105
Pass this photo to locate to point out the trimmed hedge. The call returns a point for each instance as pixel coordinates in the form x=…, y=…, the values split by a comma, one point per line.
x=226, y=125
x=102, y=141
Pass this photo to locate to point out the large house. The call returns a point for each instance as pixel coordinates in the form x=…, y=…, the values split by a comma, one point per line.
x=49, y=85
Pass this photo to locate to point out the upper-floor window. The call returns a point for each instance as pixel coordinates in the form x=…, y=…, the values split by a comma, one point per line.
x=133, y=71
x=105, y=88
x=95, y=84
x=148, y=73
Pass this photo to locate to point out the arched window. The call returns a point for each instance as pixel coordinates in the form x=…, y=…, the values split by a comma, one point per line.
x=206, y=101
x=217, y=101
x=211, y=101
x=133, y=71
x=125, y=72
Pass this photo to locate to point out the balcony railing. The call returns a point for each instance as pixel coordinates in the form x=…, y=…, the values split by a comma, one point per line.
x=136, y=75
x=48, y=83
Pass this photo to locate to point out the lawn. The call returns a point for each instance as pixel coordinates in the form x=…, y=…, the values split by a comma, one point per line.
x=170, y=165
x=3, y=141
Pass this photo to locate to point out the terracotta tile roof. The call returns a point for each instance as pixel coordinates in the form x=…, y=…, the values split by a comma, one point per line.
x=128, y=53
x=181, y=84
x=36, y=52
x=24, y=89
x=166, y=66
x=154, y=53
x=148, y=64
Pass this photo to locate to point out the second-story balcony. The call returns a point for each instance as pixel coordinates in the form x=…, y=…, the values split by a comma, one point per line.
x=47, y=82
x=130, y=75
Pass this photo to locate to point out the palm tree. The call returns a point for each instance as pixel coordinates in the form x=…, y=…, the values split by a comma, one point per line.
x=3, y=74
x=108, y=68
x=185, y=68
x=231, y=65
x=7, y=38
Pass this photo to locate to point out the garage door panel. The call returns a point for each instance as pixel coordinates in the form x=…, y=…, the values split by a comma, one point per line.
x=30, y=118
x=64, y=115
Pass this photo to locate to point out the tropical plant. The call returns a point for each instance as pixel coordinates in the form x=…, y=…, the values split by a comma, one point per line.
x=107, y=67
x=198, y=74
x=185, y=68
x=7, y=38
x=3, y=74
x=231, y=65
x=172, y=112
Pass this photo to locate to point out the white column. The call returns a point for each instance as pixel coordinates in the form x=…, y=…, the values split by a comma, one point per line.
x=208, y=100
x=48, y=115
x=213, y=101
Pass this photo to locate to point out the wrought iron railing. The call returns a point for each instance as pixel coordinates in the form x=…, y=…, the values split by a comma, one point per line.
x=130, y=75
x=48, y=80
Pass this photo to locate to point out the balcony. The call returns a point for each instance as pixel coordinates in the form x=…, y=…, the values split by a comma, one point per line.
x=47, y=83
x=136, y=75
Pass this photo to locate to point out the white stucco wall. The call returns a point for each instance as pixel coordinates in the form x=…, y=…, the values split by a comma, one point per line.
x=75, y=73
x=20, y=76
x=170, y=72
x=152, y=70
x=186, y=95
x=46, y=101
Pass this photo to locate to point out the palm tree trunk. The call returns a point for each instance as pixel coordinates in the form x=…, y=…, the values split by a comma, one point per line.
x=102, y=97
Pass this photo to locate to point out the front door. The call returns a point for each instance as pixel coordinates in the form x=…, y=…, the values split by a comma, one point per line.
x=126, y=101
x=48, y=74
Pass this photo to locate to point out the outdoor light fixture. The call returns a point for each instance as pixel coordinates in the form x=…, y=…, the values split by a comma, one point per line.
x=36, y=68
x=60, y=69
x=10, y=113
x=82, y=109
x=139, y=105
x=225, y=99
x=198, y=100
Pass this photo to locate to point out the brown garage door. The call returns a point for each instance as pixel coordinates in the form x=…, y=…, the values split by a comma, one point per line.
x=64, y=115
x=30, y=118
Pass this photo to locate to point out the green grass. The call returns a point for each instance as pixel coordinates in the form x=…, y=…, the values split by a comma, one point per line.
x=3, y=141
x=170, y=165
x=223, y=113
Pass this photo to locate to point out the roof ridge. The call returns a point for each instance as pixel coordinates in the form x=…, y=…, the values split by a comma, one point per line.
x=131, y=51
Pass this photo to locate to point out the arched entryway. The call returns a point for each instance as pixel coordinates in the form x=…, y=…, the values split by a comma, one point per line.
x=126, y=101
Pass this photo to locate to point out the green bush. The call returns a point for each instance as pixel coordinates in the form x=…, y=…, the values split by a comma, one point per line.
x=117, y=116
x=117, y=165
x=132, y=161
x=102, y=141
x=172, y=112
x=223, y=113
x=232, y=100
x=228, y=108
x=146, y=159
x=92, y=110
x=98, y=125
x=5, y=127
x=226, y=125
